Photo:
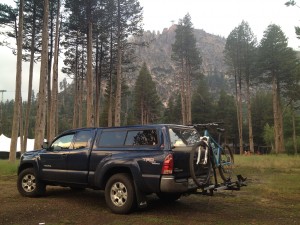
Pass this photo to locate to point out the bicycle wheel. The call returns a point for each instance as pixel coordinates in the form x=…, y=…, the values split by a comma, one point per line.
x=200, y=164
x=226, y=163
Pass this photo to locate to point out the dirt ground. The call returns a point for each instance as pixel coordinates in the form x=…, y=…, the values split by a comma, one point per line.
x=62, y=206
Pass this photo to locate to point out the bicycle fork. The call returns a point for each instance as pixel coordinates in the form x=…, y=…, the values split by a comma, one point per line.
x=204, y=139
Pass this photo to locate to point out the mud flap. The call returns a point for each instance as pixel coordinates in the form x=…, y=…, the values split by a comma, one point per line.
x=141, y=199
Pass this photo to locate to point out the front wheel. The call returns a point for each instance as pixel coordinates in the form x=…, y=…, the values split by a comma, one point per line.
x=200, y=164
x=29, y=185
x=226, y=163
x=119, y=193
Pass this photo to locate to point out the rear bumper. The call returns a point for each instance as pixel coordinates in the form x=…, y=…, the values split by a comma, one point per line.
x=169, y=184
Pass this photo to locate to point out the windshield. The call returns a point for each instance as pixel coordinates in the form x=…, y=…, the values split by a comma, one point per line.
x=183, y=136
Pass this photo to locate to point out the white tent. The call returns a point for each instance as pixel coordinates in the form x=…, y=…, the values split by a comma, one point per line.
x=5, y=144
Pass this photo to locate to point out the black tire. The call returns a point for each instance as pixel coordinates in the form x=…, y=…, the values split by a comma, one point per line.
x=120, y=193
x=200, y=172
x=29, y=184
x=168, y=197
x=226, y=163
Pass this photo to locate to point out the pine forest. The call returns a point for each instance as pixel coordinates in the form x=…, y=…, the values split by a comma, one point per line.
x=98, y=67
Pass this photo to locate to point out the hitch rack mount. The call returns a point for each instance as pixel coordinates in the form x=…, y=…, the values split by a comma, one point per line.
x=228, y=185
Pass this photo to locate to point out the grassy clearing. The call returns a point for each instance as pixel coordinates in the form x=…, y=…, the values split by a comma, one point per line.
x=275, y=171
x=8, y=168
x=273, y=179
x=271, y=197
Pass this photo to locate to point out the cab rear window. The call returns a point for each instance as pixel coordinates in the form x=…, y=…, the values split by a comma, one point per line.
x=128, y=138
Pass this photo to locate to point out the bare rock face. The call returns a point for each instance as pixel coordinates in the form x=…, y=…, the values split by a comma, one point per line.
x=156, y=51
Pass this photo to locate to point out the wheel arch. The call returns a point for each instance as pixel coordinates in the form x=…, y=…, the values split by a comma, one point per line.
x=105, y=171
x=26, y=165
x=112, y=171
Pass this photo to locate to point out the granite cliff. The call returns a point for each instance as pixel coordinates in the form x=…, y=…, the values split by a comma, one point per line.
x=157, y=55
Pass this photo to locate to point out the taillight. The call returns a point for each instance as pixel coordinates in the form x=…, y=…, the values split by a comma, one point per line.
x=168, y=165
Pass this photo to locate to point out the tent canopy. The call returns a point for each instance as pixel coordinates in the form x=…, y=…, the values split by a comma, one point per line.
x=5, y=144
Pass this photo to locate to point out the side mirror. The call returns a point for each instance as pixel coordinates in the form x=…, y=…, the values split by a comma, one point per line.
x=45, y=145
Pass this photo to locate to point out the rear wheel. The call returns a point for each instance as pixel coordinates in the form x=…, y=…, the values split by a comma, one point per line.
x=200, y=164
x=226, y=163
x=119, y=193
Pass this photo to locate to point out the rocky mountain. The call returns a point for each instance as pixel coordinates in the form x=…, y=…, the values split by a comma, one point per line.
x=157, y=55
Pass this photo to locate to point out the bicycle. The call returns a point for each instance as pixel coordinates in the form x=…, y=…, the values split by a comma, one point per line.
x=208, y=155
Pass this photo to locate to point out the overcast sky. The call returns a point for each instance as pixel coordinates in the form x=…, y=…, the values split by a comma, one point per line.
x=217, y=17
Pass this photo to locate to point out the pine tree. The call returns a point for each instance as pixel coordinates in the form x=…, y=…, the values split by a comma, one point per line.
x=148, y=105
x=129, y=18
x=33, y=26
x=275, y=65
x=240, y=52
x=54, y=94
x=18, y=97
x=202, y=104
x=187, y=59
x=42, y=98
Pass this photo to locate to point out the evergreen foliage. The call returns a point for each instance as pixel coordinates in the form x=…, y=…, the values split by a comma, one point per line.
x=196, y=99
x=186, y=57
x=147, y=103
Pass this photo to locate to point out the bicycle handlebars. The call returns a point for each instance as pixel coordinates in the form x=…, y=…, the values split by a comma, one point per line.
x=213, y=124
x=206, y=125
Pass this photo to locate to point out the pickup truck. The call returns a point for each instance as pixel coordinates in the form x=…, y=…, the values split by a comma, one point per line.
x=128, y=163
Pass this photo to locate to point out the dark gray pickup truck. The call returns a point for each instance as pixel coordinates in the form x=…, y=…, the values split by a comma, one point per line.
x=128, y=163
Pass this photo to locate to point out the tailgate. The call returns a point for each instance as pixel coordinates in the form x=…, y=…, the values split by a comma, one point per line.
x=181, y=156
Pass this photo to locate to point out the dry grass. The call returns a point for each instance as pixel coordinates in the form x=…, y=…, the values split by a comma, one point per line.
x=271, y=197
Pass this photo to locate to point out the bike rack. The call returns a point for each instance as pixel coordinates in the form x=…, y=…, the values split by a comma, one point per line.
x=228, y=185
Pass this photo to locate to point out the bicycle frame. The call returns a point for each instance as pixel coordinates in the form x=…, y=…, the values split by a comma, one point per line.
x=221, y=159
x=216, y=147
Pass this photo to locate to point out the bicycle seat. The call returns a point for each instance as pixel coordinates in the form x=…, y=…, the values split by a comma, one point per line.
x=220, y=129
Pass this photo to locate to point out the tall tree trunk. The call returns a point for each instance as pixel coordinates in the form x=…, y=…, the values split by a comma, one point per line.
x=239, y=107
x=98, y=81
x=54, y=98
x=80, y=102
x=280, y=123
x=119, y=71
x=189, y=99
x=240, y=118
x=75, y=104
x=90, y=122
x=42, y=98
x=81, y=91
x=183, y=95
x=21, y=128
x=280, y=120
x=97, y=97
x=110, y=103
x=142, y=112
x=50, y=56
x=29, y=96
x=294, y=129
x=17, y=106
x=183, y=103
x=110, y=95
x=249, y=118
x=275, y=113
x=76, y=90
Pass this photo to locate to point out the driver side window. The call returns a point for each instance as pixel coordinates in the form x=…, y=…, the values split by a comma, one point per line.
x=62, y=143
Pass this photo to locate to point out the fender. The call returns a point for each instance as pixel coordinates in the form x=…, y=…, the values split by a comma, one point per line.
x=108, y=167
x=28, y=160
